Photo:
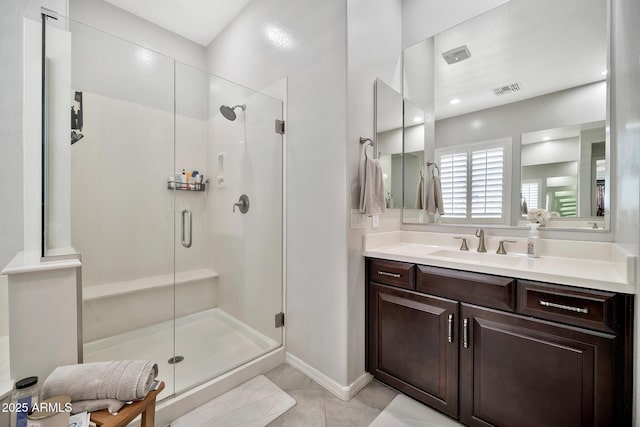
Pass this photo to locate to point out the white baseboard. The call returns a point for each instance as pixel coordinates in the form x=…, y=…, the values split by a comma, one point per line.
x=341, y=392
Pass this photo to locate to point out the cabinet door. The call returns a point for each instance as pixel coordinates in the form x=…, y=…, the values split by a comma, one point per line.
x=518, y=371
x=413, y=345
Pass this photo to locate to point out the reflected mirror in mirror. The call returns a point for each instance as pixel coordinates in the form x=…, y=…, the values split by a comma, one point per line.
x=502, y=76
x=389, y=141
x=564, y=172
x=416, y=172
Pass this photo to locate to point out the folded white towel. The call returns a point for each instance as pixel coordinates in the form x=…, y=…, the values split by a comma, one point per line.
x=434, y=199
x=372, y=201
x=122, y=380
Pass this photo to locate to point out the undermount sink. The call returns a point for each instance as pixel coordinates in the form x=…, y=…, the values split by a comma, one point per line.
x=477, y=257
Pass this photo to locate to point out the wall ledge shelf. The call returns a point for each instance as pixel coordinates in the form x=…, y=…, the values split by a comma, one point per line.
x=107, y=290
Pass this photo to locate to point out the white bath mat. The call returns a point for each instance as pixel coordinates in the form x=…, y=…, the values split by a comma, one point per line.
x=253, y=404
x=406, y=412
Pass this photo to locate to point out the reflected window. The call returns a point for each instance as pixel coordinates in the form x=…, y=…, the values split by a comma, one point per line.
x=473, y=179
x=530, y=194
x=453, y=178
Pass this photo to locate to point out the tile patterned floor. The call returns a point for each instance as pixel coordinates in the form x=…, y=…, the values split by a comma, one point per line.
x=316, y=407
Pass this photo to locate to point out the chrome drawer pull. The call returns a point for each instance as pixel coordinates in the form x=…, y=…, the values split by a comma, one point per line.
x=465, y=333
x=385, y=273
x=450, y=335
x=564, y=307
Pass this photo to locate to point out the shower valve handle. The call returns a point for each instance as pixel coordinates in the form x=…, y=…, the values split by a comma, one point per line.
x=242, y=204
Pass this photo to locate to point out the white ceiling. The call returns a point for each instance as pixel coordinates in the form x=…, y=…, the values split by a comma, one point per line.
x=545, y=45
x=197, y=20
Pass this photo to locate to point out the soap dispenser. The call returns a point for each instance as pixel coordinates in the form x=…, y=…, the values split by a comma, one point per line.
x=533, y=241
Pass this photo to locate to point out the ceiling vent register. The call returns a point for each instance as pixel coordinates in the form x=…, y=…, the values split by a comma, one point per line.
x=510, y=88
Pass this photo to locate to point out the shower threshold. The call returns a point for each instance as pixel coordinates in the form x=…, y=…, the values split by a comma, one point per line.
x=212, y=342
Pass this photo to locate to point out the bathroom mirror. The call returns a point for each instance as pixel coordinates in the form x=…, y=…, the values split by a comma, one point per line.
x=522, y=69
x=388, y=108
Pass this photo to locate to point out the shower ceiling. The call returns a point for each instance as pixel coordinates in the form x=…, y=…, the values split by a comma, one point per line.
x=197, y=20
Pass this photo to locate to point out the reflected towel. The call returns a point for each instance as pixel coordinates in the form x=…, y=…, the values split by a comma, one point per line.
x=122, y=380
x=372, y=201
x=420, y=193
x=434, y=199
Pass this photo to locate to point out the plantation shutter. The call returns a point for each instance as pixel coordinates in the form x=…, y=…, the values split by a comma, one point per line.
x=530, y=194
x=453, y=178
x=487, y=183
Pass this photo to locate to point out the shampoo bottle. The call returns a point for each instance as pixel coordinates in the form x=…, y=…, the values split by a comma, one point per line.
x=533, y=241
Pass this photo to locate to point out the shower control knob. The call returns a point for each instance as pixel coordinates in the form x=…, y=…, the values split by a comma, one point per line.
x=242, y=204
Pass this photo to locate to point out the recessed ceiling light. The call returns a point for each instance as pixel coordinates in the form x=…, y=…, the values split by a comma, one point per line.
x=546, y=138
x=604, y=73
x=454, y=101
x=417, y=119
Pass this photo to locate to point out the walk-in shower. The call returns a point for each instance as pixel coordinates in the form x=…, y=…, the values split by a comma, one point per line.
x=148, y=120
x=229, y=112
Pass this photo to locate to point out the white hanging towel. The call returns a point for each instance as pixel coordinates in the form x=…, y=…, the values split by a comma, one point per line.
x=372, y=200
x=434, y=200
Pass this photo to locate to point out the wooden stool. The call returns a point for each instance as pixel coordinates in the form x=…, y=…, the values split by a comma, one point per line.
x=146, y=407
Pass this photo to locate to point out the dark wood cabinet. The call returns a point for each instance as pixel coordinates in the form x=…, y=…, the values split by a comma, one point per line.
x=517, y=371
x=414, y=345
x=499, y=351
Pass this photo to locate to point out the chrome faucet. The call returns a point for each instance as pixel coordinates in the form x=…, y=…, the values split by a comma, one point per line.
x=480, y=235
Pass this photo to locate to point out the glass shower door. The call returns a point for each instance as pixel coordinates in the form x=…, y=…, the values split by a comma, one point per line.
x=121, y=145
x=228, y=234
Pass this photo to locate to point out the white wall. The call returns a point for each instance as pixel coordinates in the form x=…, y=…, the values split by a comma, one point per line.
x=625, y=132
x=11, y=87
x=305, y=42
x=374, y=51
x=4, y=307
x=113, y=20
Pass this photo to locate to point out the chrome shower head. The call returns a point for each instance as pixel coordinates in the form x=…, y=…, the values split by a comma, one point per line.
x=229, y=112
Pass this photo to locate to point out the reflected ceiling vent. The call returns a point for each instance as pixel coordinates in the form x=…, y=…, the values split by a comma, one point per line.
x=456, y=55
x=510, y=88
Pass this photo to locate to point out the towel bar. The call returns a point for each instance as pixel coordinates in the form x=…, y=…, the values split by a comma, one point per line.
x=428, y=163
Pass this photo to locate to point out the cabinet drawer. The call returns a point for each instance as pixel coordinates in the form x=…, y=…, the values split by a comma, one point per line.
x=475, y=288
x=580, y=307
x=392, y=273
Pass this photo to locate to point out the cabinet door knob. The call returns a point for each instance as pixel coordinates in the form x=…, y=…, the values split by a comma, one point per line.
x=450, y=322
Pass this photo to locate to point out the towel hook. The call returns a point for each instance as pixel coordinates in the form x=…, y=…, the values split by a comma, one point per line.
x=367, y=141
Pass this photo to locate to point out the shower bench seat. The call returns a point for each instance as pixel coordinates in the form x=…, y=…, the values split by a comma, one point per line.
x=145, y=302
x=108, y=290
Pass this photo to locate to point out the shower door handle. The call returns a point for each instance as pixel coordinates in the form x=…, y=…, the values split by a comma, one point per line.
x=186, y=213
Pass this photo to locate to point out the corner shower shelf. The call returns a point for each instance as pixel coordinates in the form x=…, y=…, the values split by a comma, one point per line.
x=187, y=187
x=107, y=290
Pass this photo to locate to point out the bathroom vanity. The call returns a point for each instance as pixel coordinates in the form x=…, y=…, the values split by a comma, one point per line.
x=498, y=349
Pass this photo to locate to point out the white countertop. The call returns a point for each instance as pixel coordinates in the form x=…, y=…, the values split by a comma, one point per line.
x=594, y=265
